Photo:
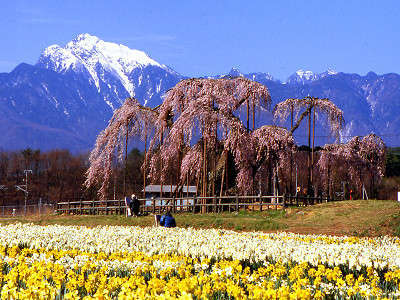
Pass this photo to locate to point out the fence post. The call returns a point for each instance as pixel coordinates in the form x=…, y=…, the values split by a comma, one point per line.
x=215, y=204
x=174, y=204
x=201, y=204
x=69, y=206
x=237, y=203
x=284, y=200
x=194, y=204
x=80, y=206
x=94, y=210
x=297, y=200
x=154, y=205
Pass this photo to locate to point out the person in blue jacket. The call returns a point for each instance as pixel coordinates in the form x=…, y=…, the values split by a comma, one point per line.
x=167, y=220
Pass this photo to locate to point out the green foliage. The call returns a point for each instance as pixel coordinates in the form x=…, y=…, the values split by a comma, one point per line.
x=393, y=162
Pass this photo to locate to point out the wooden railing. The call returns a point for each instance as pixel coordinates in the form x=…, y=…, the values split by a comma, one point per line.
x=212, y=204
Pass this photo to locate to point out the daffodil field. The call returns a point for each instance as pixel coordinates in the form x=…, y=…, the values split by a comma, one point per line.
x=110, y=262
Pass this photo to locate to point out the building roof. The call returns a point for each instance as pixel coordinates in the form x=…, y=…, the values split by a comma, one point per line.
x=153, y=188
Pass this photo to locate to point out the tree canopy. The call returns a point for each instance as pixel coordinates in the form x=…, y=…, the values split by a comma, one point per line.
x=203, y=124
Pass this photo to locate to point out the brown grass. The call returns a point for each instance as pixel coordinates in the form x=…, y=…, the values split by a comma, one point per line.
x=357, y=217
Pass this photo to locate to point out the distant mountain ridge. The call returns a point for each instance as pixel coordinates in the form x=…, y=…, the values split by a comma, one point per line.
x=69, y=95
x=303, y=77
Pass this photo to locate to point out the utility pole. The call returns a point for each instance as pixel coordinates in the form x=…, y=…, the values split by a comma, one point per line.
x=296, y=180
x=24, y=188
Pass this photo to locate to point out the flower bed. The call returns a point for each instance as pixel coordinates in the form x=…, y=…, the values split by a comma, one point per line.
x=155, y=262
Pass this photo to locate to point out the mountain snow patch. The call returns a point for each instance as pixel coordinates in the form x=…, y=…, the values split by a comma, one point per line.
x=91, y=55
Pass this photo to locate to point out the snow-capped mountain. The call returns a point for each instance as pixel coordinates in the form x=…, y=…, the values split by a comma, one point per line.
x=69, y=95
x=235, y=72
x=116, y=71
x=302, y=77
x=257, y=76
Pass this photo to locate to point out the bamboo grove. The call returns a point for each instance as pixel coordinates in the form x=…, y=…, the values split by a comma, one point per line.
x=206, y=133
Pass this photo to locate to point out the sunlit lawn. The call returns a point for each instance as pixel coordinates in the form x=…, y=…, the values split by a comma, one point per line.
x=357, y=217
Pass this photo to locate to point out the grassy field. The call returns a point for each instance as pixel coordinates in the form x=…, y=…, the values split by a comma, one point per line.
x=357, y=217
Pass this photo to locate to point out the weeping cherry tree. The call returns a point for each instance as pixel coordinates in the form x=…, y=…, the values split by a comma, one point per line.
x=130, y=120
x=195, y=120
x=362, y=157
x=310, y=107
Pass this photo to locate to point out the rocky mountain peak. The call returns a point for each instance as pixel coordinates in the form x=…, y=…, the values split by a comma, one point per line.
x=98, y=60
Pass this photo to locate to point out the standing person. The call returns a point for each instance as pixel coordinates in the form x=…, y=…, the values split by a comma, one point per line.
x=135, y=205
x=128, y=206
x=167, y=220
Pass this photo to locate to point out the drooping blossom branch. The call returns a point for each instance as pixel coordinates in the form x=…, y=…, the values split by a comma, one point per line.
x=197, y=115
x=311, y=107
x=322, y=106
x=131, y=119
x=360, y=155
x=258, y=153
x=193, y=130
x=273, y=143
x=274, y=146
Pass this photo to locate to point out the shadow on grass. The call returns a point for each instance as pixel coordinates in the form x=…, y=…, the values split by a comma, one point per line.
x=395, y=223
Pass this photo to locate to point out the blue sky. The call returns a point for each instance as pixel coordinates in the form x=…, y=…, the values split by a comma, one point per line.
x=209, y=37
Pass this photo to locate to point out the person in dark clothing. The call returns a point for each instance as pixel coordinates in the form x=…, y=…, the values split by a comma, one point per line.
x=135, y=205
x=167, y=220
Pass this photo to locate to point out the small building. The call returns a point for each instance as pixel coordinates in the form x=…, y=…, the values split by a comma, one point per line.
x=168, y=191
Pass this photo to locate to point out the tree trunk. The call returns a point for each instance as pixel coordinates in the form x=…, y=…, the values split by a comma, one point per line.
x=187, y=184
x=203, y=208
x=329, y=181
x=309, y=155
x=161, y=163
x=222, y=181
x=145, y=165
x=215, y=158
x=126, y=157
x=291, y=154
x=226, y=170
x=248, y=112
x=197, y=186
x=312, y=150
x=254, y=116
